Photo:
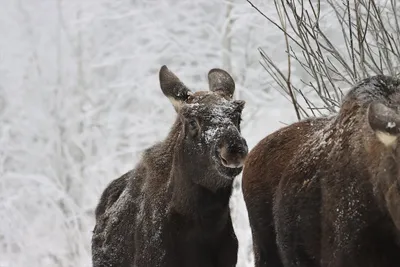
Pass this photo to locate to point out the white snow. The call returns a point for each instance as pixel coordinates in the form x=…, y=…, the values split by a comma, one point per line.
x=210, y=134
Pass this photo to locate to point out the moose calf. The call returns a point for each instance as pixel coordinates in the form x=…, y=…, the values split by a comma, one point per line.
x=326, y=191
x=173, y=208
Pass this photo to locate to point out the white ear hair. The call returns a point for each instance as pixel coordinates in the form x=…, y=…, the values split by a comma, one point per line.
x=173, y=88
x=176, y=103
x=385, y=122
x=387, y=139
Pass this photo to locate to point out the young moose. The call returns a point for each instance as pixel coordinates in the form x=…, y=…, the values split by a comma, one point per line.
x=173, y=208
x=326, y=191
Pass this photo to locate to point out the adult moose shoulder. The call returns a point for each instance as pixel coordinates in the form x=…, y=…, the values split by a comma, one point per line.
x=173, y=208
x=325, y=191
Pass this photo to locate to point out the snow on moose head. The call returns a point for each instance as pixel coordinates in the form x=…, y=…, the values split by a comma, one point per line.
x=209, y=146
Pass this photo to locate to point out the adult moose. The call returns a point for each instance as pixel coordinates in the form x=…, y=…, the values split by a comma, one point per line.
x=325, y=191
x=173, y=208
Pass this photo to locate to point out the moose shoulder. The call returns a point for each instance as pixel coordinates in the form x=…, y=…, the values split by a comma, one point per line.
x=325, y=191
x=173, y=208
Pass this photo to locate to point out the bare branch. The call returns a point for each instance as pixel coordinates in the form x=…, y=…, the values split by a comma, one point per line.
x=370, y=45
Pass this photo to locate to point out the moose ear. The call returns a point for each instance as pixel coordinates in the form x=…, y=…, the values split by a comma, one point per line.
x=220, y=81
x=173, y=88
x=385, y=122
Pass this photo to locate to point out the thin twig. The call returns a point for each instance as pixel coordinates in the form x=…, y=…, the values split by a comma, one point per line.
x=371, y=38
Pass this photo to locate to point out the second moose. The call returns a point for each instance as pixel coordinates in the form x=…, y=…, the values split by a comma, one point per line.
x=325, y=192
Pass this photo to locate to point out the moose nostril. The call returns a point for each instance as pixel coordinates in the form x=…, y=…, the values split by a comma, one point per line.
x=232, y=158
x=224, y=161
x=238, y=150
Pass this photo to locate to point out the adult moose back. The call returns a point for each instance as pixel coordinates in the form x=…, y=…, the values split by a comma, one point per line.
x=172, y=210
x=325, y=191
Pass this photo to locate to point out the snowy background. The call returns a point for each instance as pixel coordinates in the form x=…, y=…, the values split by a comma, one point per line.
x=80, y=99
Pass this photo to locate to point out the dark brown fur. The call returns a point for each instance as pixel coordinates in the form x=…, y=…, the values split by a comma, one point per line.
x=324, y=191
x=172, y=210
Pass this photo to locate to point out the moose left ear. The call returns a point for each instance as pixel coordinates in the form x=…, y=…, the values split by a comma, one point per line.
x=385, y=122
x=220, y=81
x=173, y=88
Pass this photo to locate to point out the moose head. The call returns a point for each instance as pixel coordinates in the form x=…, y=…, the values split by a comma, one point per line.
x=210, y=146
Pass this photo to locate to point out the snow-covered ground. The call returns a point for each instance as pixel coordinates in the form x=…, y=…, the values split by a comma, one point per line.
x=80, y=99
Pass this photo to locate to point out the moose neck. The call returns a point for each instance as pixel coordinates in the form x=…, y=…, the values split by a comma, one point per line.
x=193, y=200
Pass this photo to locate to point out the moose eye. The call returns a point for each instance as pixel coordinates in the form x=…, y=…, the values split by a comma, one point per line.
x=193, y=127
x=193, y=124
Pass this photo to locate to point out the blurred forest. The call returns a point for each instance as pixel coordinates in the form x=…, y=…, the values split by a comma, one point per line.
x=80, y=100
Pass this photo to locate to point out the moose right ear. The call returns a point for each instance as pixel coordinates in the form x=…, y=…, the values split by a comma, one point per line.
x=221, y=81
x=385, y=122
x=173, y=88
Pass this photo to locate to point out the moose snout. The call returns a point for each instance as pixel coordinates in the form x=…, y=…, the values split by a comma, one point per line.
x=233, y=155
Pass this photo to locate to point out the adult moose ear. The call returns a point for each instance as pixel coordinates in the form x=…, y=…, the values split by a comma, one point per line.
x=385, y=122
x=221, y=82
x=173, y=88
